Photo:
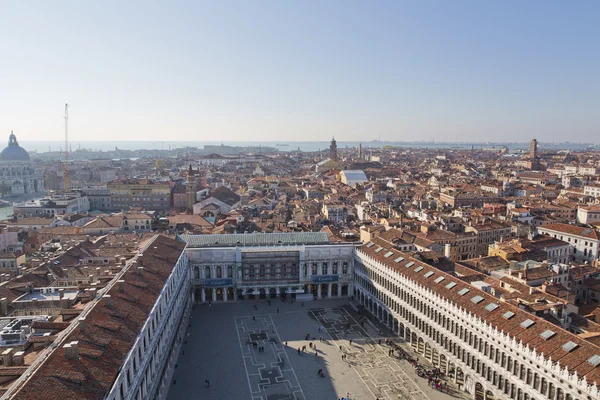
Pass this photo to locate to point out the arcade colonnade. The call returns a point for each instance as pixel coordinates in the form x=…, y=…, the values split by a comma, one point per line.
x=480, y=360
x=225, y=283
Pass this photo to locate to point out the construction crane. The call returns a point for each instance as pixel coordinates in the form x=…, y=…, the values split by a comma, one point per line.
x=66, y=165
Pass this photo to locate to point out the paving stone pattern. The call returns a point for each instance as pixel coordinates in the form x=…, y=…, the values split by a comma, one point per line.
x=382, y=374
x=270, y=374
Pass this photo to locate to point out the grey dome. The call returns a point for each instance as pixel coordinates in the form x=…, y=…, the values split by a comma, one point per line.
x=14, y=152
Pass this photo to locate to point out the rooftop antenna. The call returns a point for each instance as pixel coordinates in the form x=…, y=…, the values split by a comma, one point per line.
x=66, y=168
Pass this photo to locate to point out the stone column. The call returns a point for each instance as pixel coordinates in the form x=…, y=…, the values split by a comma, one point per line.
x=203, y=295
x=328, y=290
x=214, y=295
x=193, y=296
x=339, y=290
x=318, y=290
x=225, y=294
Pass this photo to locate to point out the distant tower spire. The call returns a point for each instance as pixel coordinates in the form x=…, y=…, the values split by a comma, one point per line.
x=533, y=149
x=333, y=150
x=190, y=189
x=359, y=150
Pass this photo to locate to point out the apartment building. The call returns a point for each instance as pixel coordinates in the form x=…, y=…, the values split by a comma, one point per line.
x=585, y=241
x=140, y=193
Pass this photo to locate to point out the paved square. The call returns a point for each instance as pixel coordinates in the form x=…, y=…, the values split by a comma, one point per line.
x=254, y=354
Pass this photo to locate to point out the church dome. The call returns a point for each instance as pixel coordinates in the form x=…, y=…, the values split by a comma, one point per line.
x=14, y=152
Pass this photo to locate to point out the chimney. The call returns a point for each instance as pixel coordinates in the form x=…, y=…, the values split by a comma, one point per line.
x=19, y=359
x=140, y=270
x=107, y=300
x=121, y=284
x=82, y=324
x=61, y=293
x=7, y=357
x=72, y=350
x=447, y=250
x=4, y=306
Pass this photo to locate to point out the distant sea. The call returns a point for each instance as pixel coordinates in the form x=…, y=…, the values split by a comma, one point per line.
x=45, y=146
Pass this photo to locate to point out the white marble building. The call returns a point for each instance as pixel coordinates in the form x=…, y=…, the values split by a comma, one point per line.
x=17, y=175
x=269, y=265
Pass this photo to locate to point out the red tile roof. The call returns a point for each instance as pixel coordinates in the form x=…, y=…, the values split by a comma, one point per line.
x=110, y=331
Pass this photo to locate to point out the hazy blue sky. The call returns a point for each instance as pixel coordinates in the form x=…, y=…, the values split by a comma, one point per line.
x=301, y=70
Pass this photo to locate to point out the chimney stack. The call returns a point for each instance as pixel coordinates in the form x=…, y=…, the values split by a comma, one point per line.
x=4, y=306
x=19, y=359
x=61, y=293
x=7, y=357
x=140, y=270
x=107, y=300
x=72, y=350
x=82, y=324
x=121, y=284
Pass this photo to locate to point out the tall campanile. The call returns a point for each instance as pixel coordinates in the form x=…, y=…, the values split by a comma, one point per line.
x=333, y=150
x=533, y=149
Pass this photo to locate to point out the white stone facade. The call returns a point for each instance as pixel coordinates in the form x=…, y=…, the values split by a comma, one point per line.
x=231, y=273
x=17, y=175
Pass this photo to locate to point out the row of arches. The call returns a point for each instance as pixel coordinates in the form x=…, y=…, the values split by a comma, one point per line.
x=431, y=332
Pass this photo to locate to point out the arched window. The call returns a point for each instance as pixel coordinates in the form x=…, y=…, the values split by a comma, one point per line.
x=219, y=272
x=207, y=272
x=229, y=271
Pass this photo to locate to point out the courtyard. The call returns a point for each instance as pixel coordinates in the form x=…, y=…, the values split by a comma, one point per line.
x=223, y=345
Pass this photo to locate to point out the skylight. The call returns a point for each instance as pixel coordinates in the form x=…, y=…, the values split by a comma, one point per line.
x=389, y=253
x=439, y=279
x=508, y=315
x=547, y=334
x=463, y=291
x=370, y=244
x=450, y=285
x=569, y=346
x=399, y=259
x=410, y=264
x=427, y=275
x=527, y=323
x=418, y=269
x=491, y=306
x=477, y=299
x=378, y=249
x=594, y=360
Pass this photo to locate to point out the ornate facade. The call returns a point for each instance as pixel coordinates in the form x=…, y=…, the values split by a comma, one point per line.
x=263, y=265
x=17, y=175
